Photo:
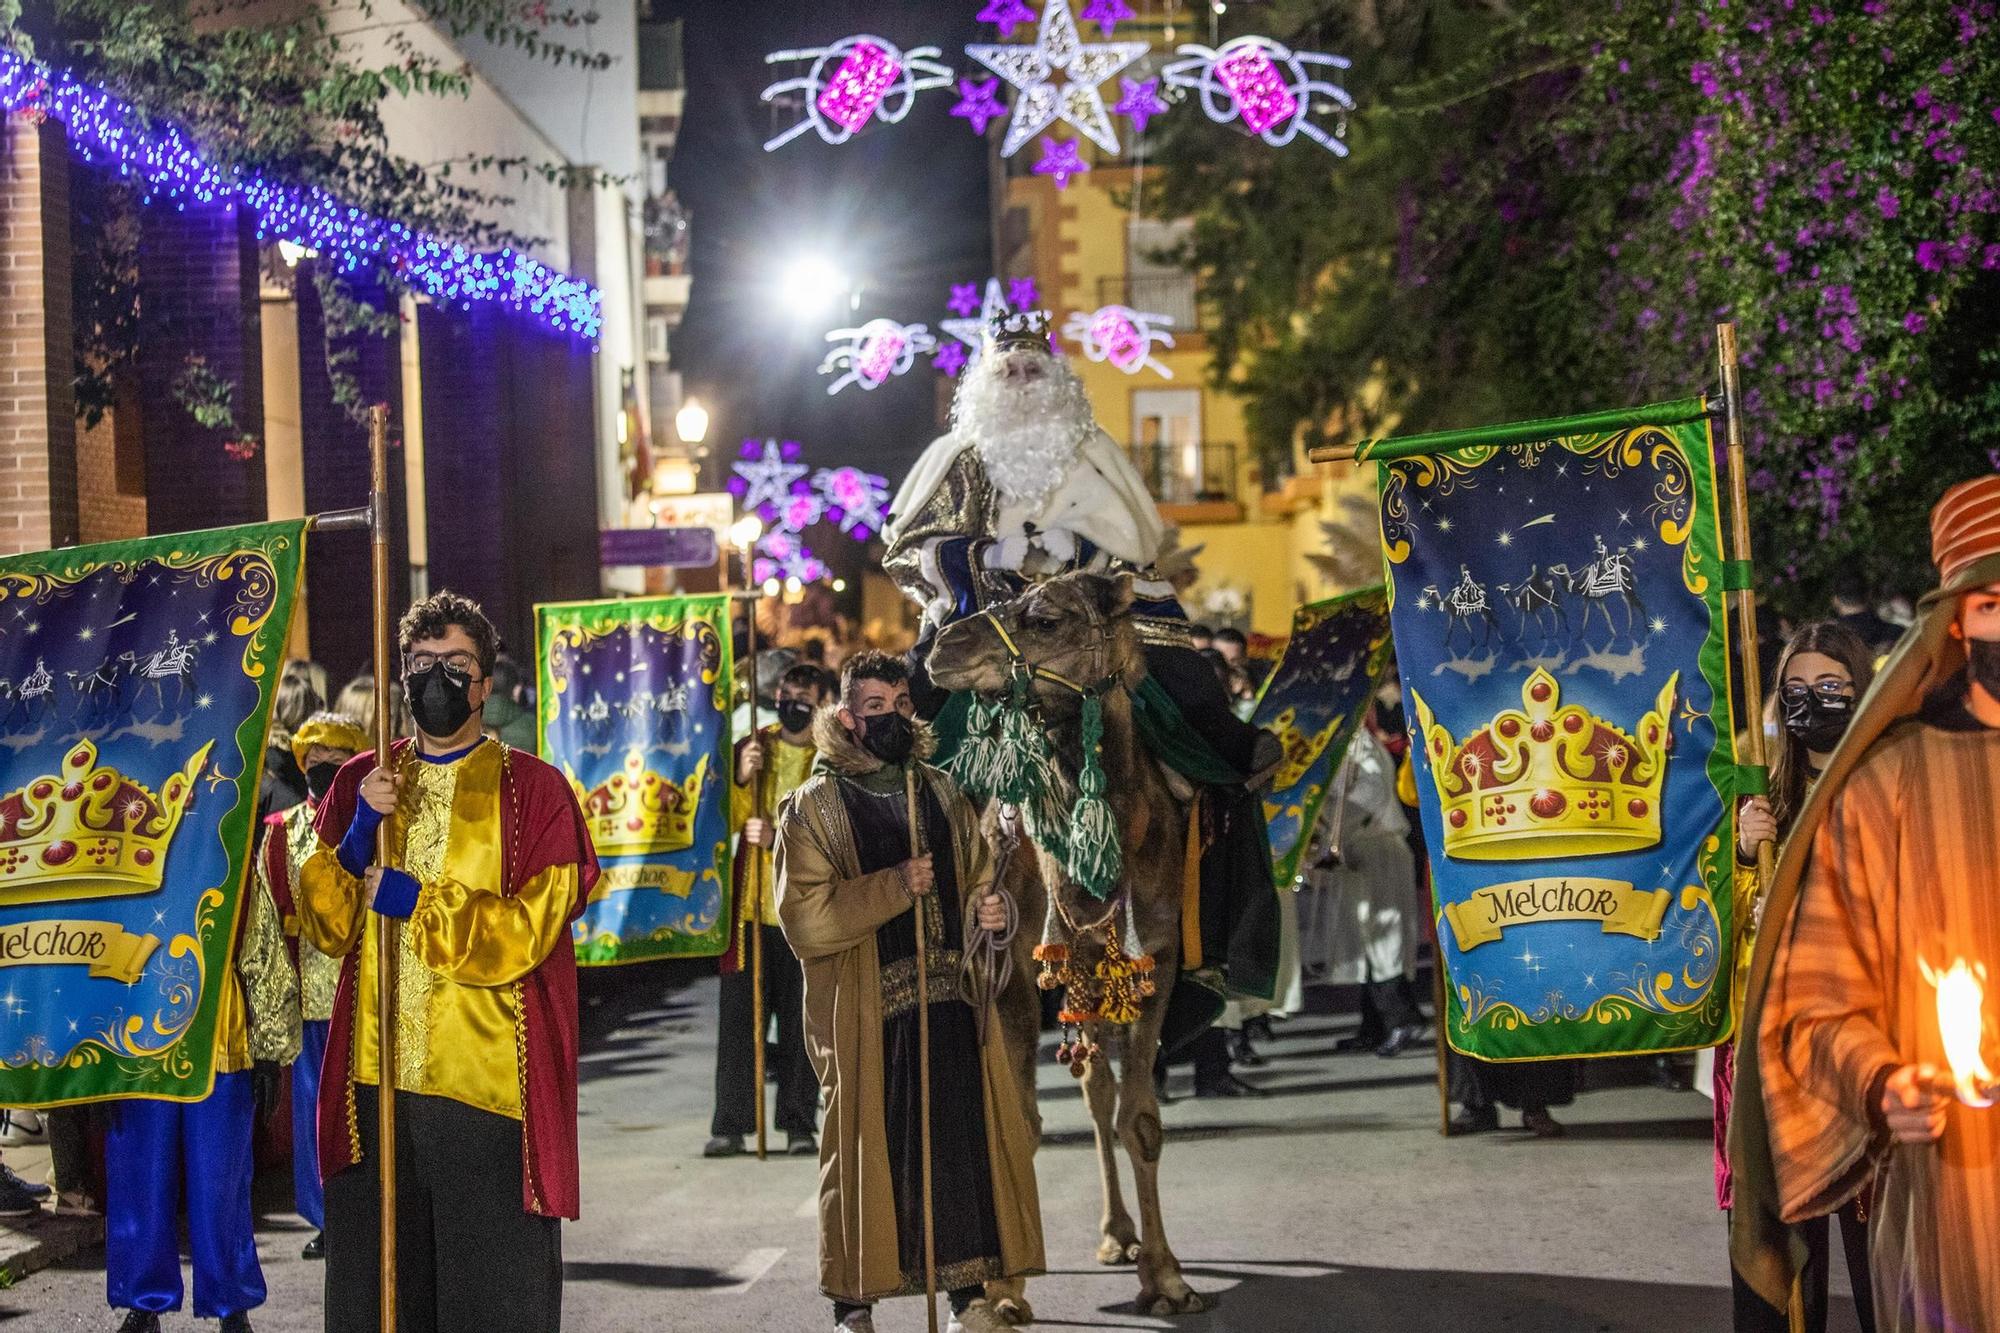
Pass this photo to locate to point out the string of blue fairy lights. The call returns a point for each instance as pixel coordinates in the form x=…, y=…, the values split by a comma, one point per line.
x=107, y=131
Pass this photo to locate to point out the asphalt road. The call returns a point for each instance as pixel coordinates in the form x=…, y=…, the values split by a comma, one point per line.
x=1332, y=1204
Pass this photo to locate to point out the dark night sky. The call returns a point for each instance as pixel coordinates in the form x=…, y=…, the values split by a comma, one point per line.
x=905, y=206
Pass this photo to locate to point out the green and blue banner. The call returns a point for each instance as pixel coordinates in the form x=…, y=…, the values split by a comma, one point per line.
x=634, y=709
x=135, y=689
x=1556, y=593
x=1312, y=701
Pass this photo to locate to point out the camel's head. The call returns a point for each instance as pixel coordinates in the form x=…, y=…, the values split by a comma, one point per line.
x=1077, y=627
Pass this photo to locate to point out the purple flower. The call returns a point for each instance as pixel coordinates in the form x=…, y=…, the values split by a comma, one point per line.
x=1914, y=322
x=1930, y=256
x=1887, y=203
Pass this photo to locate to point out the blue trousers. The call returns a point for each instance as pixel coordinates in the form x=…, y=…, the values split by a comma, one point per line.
x=150, y=1148
x=308, y=1195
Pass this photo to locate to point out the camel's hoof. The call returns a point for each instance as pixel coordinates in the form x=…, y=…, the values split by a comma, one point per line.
x=1161, y=1305
x=1113, y=1252
x=1014, y=1310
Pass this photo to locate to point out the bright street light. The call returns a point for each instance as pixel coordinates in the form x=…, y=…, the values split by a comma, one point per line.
x=691, y=422
x=745, y=531
x=813, y=283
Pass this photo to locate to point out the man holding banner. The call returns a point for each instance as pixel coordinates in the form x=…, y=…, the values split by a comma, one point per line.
x=489, y=864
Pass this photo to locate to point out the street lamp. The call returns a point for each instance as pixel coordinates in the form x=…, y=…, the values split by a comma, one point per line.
x=691, y=423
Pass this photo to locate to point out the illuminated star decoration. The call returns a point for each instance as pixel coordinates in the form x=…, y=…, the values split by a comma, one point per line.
x=1042, y=101
x=1265, y=84
x=969, y=331
x=1107, y=14
x=1007, y=15
x=950, y=358
x=765, y=473
x=1140, y=103
x=800, y=510
x=964, y=300
x=1061, y=160
x=855, y=499
x=783, y=555
x=979, y=102
x=874, y=352
x=1122, y=336
x=1022, y=293
x=853, y=81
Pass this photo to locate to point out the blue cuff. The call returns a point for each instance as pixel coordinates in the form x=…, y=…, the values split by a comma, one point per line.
x=397, y=893
x=357, y=847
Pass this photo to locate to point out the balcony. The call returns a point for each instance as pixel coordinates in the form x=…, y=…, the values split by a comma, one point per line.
x=1169, y=294
x=1193, y=483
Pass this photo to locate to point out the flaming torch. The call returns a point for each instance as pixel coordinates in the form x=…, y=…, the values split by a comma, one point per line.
x=1961, y=999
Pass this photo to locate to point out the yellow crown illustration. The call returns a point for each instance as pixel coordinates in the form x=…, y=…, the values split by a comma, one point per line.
x=1550, y=780
x=635, y=810
x=87, y=831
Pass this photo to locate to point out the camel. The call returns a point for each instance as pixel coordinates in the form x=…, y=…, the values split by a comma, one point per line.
x=1078, y=629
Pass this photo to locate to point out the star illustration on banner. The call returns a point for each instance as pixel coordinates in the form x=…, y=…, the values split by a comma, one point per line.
x=1007, y=15
x=1107, y=14
x=964, y=300
x=1043, y=101
x=1141, y=102
x=979, y=102
x=1060, y=160
x=765, y=473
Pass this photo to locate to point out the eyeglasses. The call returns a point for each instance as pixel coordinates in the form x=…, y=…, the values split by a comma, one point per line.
x=1832, y=691
x=458, y=662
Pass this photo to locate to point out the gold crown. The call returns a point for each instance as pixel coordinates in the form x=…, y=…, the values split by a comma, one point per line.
x=1301, y=748
x=90, y=832
x=1020, y=328
x=635, y=810
x=1550, y=780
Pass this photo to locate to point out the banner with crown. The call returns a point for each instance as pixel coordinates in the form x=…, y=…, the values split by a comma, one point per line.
x=634, y=709
x=135, y=688
x=1557, y=602
x=1312, y=702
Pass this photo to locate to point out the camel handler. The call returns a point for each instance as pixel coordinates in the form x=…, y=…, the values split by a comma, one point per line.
x=1886, y=881
x=849, y=892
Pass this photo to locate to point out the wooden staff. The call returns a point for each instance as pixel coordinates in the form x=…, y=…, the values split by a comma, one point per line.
x=1746, y=597
x=923, y=1053
x=1437, y=1036
x=760, y=787
x=387, y=936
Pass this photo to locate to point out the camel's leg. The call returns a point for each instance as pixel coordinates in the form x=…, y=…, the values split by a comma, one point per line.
x=1119, y=1239
x=1162, y=1289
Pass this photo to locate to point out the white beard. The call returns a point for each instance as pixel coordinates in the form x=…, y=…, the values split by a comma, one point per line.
x=1027, y=433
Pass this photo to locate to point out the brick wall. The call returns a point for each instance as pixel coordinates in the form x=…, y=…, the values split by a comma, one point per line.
x=199, y=296
x=38, y=491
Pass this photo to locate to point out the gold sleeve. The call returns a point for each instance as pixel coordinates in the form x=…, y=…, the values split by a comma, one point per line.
x=480, y=938
x=270, y=983
x=960, y=506
x=329, y=903
x=821, y=914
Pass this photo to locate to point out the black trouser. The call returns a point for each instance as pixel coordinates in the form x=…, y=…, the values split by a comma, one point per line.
x=1386, y=1006
x=1194, y=687
x=736, y=1087
x=1753, y=1314
x=468, y=1256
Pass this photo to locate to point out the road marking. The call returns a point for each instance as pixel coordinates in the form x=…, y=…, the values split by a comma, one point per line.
x=810, y=1208
x=744, y=1273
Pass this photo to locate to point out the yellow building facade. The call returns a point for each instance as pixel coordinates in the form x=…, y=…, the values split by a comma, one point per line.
x=1264, y=540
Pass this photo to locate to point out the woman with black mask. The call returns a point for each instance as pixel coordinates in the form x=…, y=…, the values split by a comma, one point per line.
x=1821, y=675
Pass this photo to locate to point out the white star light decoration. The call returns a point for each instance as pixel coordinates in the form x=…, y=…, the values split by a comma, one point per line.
x=858, y=500
x=870, y=79
x=1042, y=99
x=970, y=330
x=765, y=474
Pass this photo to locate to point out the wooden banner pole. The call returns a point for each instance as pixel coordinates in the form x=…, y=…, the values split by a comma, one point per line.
x=1746, y=598
x=923, y=1050
x=387, y=935
x=760, y=785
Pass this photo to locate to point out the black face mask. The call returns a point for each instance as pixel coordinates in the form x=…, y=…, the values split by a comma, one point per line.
x=890, y=737
x=319, y=778
x=794, y=715
x=439, y=700
x=1983, y=663
x=1819, y=720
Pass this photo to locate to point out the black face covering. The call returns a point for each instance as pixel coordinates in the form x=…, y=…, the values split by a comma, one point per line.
x=439, y=700
x=319, y=778
x=794, y=715
x=1983, y=661
x=1817, y=719
x=890, y=737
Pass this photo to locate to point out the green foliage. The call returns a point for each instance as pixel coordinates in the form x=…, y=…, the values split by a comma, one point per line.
x=300, y=100
x=1548, y=207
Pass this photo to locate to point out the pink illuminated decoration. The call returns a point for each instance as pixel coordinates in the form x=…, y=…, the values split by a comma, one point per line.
x=1058, y=78
x=857, y=500
x=1107, y=14
x=1061, y=160
x=851, y=82
x=1140, y=103
x=875, y=352
x=1007, y=15
x=766, y=474
x=1122, y=336
x=1267, y=86
x=979, y=102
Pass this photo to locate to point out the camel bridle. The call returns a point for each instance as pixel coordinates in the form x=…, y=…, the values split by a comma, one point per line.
x=1021, y=668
